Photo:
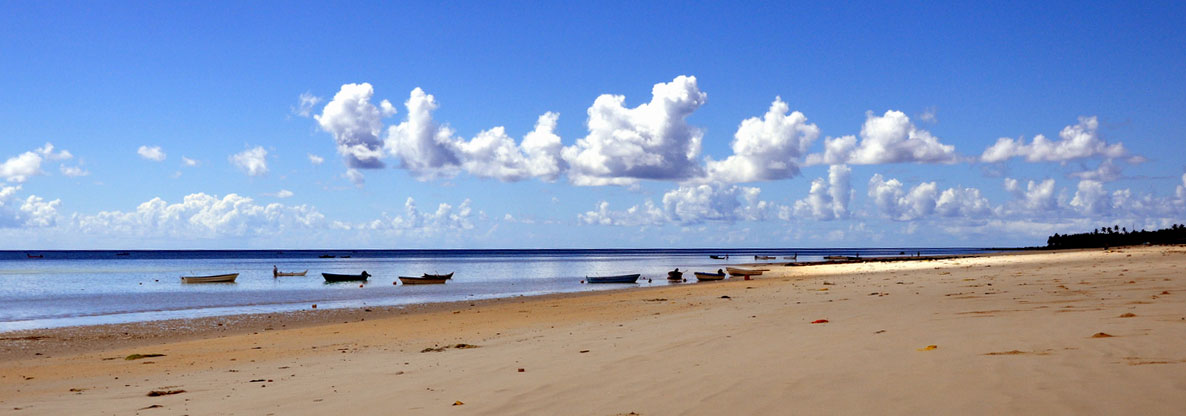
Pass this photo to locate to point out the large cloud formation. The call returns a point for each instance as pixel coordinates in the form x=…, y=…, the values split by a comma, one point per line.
x=1078, y=141
x=355, y=124
x=429, y=150
x=769, y=148
x=890, y=138
x=925, y=200
x=651, y=141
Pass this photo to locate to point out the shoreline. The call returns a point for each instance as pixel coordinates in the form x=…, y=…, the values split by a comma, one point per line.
x=24, y=343
x=1072, y=332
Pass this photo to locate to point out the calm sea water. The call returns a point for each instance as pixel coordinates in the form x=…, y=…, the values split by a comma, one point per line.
x=70, y=288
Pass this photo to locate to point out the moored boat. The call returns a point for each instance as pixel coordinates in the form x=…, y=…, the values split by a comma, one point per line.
x=326, y=256
x=701, y=276
x=216, y=278
x=438, y=276
x=301, y=273
x=623, y=278
x=719, y=257
x=423, y=280
x=738, y=271
x=675, y=274
x=764, y=257
x=335, y=277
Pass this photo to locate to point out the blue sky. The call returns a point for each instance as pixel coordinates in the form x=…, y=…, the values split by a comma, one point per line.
x=224, y=125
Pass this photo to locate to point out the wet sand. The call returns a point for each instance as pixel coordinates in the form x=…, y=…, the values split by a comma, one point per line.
x=1094, y=331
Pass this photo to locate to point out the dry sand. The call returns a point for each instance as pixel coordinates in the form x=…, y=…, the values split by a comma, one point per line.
x=1013, y=334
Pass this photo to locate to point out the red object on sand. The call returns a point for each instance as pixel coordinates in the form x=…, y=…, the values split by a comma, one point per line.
x=820, y=321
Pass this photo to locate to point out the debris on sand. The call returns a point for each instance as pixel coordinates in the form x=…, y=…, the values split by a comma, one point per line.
x=156, y=393
x=1102, y=335
x=139, y=356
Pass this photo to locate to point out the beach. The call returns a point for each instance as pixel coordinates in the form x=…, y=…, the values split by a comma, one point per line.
x=1069, y=332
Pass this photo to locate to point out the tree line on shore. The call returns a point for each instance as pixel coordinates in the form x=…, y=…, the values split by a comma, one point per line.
x=1118, y=236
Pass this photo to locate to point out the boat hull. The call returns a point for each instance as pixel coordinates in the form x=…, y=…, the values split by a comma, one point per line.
x=334, y=277
x=675, y=275
x=734, y=271
x=709, y=276
x=218, y=278
x=421, y=280
x=292, y=273
x=625, y=278
x=438, y=276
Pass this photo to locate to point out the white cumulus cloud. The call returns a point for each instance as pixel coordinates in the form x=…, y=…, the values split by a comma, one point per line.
x=829, y=199
x=769, y=148
x=315, y=160
x=21, y=167
x=355, y=124
x=253, y=161
x=651, y=141
x=153, y=153
x=1078, y=141
x=925, y=200
x=890, y=138
x=688, y=205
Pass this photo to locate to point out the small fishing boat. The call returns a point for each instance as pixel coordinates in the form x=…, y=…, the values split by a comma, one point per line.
x=675, y=274
x=301, y=273
x=841, y=258
x=623, y=278
x=701, y=276
x=123, y=253
x=423, y=280
x=764, y=257
x=719, y=257
x=39, y=256
x=335, y=277
x=794, y=257
x=738, y=271
x=326, y=256
x=438, y=276
x=216, y=278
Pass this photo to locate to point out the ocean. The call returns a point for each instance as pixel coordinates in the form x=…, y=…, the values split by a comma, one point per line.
x=49, y=289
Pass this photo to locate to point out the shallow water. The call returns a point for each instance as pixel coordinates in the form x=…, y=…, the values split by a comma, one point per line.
x=69, y=288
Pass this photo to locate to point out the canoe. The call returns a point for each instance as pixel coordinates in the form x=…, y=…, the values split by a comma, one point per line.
x=325, y=256
x=438, y=276
x=217, y=278
x=764, y=257
x=794, y=257
x=675, y=275
x=737, y=271
x=292, y=273
x=422, y=280
x=624, y=278
x=709, y=276
x=718, y=257
x=334, y=277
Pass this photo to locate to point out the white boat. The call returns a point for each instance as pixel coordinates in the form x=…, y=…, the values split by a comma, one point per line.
x=738, y=271
x=278, y=274
x=709, y=276
x=216, y=278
